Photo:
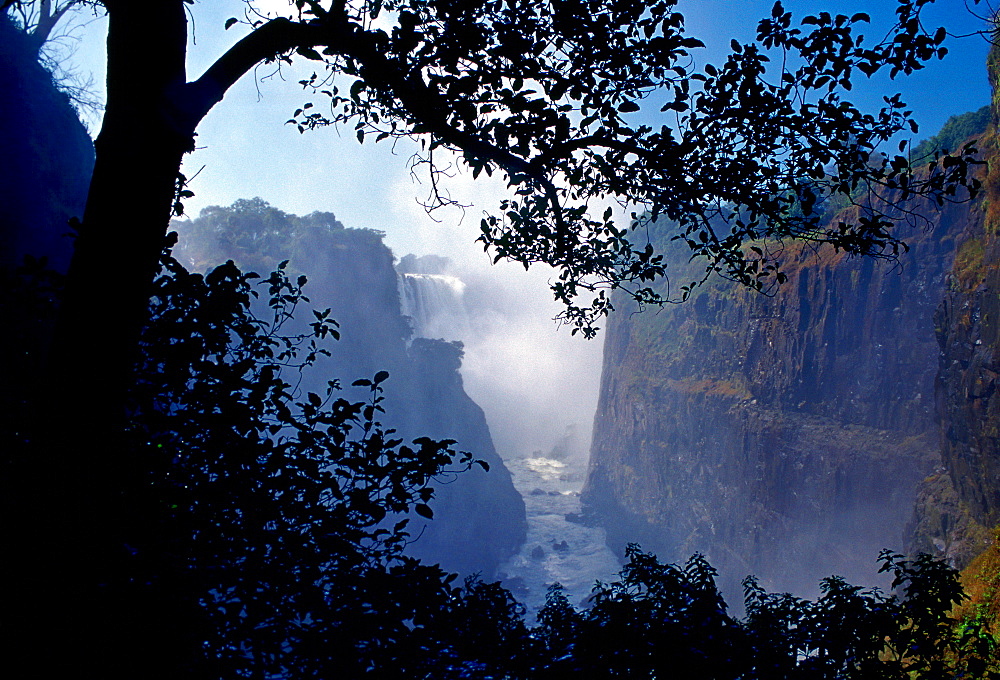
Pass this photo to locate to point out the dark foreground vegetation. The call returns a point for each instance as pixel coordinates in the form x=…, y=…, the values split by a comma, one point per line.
x=273, y=526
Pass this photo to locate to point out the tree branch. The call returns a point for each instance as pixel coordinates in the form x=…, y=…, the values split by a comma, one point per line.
x=47, y=20
x=274, y=38
x=420, y=102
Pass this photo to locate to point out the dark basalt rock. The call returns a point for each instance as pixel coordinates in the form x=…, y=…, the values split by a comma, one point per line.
x=958, y=507
x=784, y=436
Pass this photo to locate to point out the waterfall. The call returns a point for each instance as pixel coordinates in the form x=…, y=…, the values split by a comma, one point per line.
x=528, y=387
x=435, y=304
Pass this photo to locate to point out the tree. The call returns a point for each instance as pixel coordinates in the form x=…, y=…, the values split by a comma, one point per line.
x=38, y=20
x=661, y=620
x=265, y=524
x=539, y=92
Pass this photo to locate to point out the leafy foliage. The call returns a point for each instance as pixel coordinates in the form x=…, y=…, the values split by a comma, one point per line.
x=670, y=621
x=273, y=523
x=281, y=515
x=979, y=615
x=544, y=92
x=657, y=620
x=273, y=514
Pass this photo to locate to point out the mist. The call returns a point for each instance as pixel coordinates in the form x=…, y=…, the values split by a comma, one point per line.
x=534, y=380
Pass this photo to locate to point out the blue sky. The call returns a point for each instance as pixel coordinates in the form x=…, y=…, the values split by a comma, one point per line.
x=244, y=148
x=954, y=85
x=524, y=365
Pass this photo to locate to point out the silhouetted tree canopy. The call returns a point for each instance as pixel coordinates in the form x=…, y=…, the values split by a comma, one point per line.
x=545, y=94
x=661, y=620
x=278, y=516
x=50, y=34
x=38, y=19
x=265, y=529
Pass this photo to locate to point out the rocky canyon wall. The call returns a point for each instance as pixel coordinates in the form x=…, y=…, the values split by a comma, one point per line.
x=782, y=436
x=46, y=153
x=958, y=509
x=479, y=517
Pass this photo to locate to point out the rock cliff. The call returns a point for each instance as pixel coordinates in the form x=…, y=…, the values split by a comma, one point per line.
x=958, y=508
x=786, y=436
x=46, y=158
x=479, y=516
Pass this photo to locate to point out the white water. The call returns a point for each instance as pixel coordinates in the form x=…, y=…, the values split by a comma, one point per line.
x=436, y=305
x=556, y=550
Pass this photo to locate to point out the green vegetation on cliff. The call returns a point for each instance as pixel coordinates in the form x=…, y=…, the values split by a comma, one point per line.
x=978, y=616
x=958, y=130
x=255, y=234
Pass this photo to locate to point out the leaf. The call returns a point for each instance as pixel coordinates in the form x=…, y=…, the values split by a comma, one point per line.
x=229, y=22
x=381, y=377
x=356, y=87
x=628, y=107
x=424, y=510
x=309, y=53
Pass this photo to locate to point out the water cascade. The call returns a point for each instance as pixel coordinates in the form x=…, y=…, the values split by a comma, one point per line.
x=559, y=548
x=435, y=305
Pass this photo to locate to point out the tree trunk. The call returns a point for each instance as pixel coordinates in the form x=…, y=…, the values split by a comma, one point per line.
x=92, y=585
x=85, y=590
x=139, y=152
